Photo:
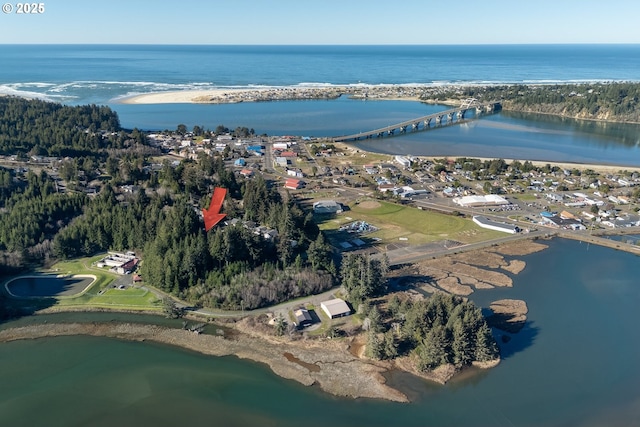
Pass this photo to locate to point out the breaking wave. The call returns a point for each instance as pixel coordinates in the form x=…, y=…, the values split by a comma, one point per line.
x=82, y=92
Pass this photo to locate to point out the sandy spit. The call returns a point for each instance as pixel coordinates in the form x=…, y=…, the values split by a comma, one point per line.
x=235, y=95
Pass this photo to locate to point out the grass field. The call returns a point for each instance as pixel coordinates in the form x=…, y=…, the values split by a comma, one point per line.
x=131, y=298
x=413, y=226
x=101, y=293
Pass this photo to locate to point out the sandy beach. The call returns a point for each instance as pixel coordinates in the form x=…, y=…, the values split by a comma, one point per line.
x=175, y=97
x=601, y=168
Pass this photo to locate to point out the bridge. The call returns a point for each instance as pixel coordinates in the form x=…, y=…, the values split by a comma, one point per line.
x=444, y=118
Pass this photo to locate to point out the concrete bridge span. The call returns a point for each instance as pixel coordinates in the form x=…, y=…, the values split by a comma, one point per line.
x=443, y=118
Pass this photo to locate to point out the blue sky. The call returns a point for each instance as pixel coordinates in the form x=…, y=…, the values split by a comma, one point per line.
x=325, y=22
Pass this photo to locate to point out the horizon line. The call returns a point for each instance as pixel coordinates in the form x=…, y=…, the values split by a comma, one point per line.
x=321, y=44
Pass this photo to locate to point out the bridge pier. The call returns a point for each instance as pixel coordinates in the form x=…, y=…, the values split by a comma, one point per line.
x=449, y=118
x=427, y=122
x=439, y=119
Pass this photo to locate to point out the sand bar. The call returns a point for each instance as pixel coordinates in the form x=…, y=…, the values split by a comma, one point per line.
x=277, y=93
x=174, y=97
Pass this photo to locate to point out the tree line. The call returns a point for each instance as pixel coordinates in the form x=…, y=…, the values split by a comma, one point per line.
x=441, y=329
x=615, y=101
x=35, y=127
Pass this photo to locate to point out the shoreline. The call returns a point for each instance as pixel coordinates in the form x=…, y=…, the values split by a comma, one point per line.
x=603, y=168
x=338, y=367
x=324, y=363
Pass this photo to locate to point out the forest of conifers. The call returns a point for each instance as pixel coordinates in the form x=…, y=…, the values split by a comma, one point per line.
x=615, y=101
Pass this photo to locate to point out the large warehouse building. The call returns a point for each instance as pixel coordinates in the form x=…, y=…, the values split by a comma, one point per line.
x=476, y=201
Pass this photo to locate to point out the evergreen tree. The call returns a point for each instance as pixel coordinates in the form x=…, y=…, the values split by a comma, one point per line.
x=434, y=349
x=486, y=347
x=375, y=349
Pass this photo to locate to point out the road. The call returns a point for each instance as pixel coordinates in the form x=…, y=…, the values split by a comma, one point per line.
x=279, y=308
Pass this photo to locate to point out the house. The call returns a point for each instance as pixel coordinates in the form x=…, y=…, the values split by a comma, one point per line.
x=303, y=318
x=247, y=173
x=293, y=184
x=553, y=197
x=335, y=308
x=370, y=169
x=554, y=220
x=383, y=188
x=295, y=173
x=281, y=161
x=256, y=149
x=127, y=267
x=403, y=161
x=240, y=162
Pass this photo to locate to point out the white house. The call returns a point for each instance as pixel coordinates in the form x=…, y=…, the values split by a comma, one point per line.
x=403, y=161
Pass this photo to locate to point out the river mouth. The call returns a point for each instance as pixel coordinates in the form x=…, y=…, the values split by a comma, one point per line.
x=48, y=286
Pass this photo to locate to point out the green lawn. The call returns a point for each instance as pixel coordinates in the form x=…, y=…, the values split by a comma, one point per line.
x=131, y=298
x=413, y=226
x=101, y=294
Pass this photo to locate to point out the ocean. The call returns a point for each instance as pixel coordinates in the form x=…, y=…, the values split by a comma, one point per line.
x=79, y=74
x=104, y=74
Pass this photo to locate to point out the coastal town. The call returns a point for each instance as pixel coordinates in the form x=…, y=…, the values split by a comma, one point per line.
x=430, y=226
x=319, y=214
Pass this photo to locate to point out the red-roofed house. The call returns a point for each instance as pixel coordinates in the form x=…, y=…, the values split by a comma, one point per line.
x=293, y=184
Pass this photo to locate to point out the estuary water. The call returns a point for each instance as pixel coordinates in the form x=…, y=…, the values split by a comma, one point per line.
x=574, y=364
x=503, y=135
